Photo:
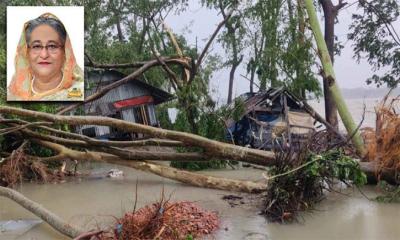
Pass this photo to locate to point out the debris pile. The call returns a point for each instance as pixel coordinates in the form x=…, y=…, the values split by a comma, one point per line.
x=16, y=168
x=165, y=220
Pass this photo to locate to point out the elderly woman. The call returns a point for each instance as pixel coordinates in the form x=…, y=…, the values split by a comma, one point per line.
x=45, y=66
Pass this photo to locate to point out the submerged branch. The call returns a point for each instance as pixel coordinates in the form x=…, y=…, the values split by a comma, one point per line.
x=47, y=216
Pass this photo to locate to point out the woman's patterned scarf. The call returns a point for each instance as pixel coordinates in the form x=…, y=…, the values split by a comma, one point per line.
x=20, y=87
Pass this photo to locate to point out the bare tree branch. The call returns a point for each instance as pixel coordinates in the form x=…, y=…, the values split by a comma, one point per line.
x=203, y=53
x=172, y=76
x=178, y=50
x=243, y=76
x=96, y=142
x=169, y=60
x=17, y=128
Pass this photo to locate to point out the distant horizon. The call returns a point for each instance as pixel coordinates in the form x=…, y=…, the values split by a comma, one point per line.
x=363, y=92
x=348, y=93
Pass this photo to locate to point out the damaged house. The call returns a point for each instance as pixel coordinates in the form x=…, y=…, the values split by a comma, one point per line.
x=134, y=101
x=268, y=118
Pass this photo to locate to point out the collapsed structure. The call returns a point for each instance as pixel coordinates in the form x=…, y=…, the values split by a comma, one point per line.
x=270, y=117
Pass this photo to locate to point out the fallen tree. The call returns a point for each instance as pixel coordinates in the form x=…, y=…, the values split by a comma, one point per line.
x=376, y=173
x=112, y=151
x=191, y=178
x=85, y=148
x=47, y=216
x=211, y=147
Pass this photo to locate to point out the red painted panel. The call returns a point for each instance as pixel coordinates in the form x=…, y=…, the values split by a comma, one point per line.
x=133, y=101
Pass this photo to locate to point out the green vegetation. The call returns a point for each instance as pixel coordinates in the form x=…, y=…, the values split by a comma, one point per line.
x=210, y=125
x=297, y=182
x=377, y=40
x=189, y=237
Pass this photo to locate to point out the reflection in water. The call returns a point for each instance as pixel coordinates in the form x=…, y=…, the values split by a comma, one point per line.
x=91, y=203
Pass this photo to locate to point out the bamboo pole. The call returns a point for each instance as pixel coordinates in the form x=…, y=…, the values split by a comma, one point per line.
x=344, y=113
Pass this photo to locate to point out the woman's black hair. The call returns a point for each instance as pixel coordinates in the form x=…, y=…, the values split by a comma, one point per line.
x=52, y=22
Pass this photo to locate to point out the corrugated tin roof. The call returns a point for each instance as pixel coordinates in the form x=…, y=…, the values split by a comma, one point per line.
x=104, y=77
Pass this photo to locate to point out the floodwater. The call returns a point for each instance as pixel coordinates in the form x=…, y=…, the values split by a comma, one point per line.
x=356, y=108
x=93, y=203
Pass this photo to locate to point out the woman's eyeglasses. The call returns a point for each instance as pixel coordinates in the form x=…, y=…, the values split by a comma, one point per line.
x=51, y=48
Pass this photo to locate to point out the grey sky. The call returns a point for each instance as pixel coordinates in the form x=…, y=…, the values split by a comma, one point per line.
x=201, y=22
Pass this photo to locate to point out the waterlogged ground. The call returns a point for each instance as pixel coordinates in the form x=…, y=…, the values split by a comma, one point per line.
x=96, y=202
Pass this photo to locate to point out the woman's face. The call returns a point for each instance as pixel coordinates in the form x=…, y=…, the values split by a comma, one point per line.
x=46, y=53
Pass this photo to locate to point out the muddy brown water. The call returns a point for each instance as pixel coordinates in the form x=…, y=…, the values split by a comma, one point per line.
x=92, y=203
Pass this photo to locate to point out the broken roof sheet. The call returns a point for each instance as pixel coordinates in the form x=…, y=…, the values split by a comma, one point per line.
x=257, y=101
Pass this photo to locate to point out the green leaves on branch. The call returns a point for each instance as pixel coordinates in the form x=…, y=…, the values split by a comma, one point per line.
x=377, y=39
x=335, y=164
x=298, y=181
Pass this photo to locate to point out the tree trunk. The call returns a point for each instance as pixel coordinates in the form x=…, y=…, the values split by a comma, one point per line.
x=370, y=169
x=232, y=78
x=236, y=59
x=277, y=4
x=330, y=75
x=301, y=42
x=252, y=74
x=191, y=178
x=47, y=216
x=254, y=61
x=330, y=14
x=195, y=179
x=191, y=114
x=230, y=87
x=120, y=36
x=142, y=35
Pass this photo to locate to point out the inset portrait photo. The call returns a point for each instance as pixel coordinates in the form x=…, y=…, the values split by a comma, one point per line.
x=45, y=53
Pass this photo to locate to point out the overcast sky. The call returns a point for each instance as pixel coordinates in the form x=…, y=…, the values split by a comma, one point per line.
x=201, y=22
